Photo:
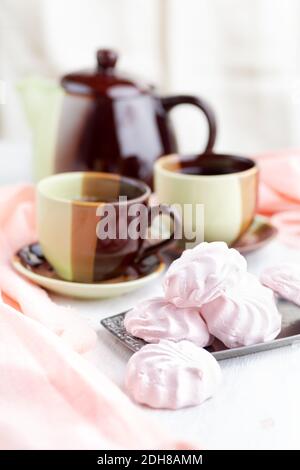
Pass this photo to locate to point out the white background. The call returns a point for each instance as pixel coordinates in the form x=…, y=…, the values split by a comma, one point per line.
x=243, y=57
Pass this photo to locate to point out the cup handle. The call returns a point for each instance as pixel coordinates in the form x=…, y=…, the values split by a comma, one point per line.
x=144, y=252
x=169, y=102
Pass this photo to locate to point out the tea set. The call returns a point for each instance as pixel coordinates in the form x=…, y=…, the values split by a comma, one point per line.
x=102, y=120
x=100, y=135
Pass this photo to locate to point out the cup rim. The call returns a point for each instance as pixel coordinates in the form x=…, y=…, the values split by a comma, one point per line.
x=176, y=157
x=95, y=174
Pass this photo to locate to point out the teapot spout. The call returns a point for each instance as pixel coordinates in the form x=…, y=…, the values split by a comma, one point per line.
x=39, y=96
x=42, y=102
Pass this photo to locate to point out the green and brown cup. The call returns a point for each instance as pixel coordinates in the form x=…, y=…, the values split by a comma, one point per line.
x=67, y=208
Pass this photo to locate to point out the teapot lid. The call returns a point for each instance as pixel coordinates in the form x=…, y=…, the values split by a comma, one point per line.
x=104, y=80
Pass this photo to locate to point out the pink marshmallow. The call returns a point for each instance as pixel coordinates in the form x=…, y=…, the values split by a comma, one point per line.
x=157, y=319
x=246, y=314
x=202, y=274
x=172, y=375
x=284, y=280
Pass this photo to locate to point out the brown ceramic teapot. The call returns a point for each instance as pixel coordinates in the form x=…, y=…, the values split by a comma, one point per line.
x=100, y=120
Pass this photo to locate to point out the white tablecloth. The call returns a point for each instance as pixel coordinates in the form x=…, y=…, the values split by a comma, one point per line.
x=258, y=403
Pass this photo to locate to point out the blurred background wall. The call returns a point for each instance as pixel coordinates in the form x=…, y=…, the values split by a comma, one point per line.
x=241, y=56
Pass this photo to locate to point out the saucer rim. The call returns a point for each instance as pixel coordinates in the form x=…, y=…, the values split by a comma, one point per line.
x=245, y=249
x=91, y=286
x=261, y=243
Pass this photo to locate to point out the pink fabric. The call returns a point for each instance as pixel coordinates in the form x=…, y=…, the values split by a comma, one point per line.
x=17, y=228
x=50, y=397
x=279, y=193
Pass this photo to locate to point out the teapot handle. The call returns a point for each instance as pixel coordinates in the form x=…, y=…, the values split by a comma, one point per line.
x=169, y=102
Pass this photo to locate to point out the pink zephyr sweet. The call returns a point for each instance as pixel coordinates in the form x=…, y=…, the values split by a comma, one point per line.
x=157, y=319
x=202, y=273
x=172, y=375
x=246, y=314
x=284, y=280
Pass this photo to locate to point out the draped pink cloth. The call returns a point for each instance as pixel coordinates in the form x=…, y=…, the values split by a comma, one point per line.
x=51, y=397
x=279, y=192
x=17, y=228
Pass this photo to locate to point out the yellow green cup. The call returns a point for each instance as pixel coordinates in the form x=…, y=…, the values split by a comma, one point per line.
x=225, y=185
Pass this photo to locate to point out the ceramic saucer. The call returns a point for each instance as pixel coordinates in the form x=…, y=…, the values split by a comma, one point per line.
x=260, y=232
x=31, y=264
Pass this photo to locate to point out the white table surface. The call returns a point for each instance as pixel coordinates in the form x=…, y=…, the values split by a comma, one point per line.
x=258, y=403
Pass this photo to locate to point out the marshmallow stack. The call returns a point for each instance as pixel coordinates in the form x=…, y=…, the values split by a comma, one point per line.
x=207, y=293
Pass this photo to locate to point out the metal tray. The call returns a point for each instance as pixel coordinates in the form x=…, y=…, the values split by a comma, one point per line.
x=290, y=334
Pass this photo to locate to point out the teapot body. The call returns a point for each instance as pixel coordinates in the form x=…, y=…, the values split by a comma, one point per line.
x=101, y=120
x=122, y=136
